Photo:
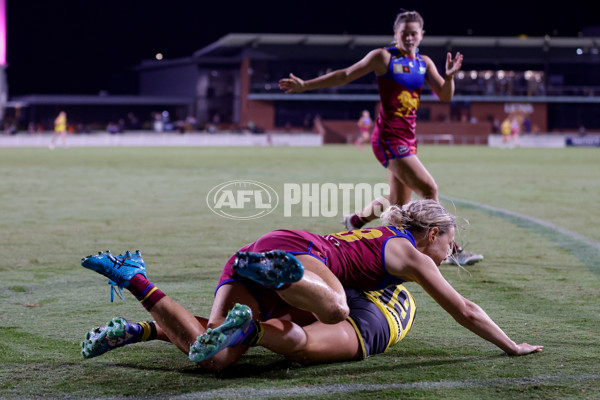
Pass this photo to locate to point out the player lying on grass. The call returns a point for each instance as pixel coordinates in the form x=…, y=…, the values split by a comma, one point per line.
x=309, y=272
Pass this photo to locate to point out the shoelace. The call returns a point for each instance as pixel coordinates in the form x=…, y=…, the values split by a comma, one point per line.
x=114, y=284
x=120, y=263
x=119, y=293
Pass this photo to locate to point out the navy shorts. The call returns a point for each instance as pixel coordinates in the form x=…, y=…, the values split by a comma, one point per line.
x=381, y=318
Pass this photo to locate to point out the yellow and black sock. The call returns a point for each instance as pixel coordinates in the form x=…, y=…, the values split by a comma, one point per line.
x=254, y=338
x=148, y=331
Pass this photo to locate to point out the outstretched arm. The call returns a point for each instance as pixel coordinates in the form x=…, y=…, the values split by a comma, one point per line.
x=469, y=314
x=421, y=269
x=373, y=61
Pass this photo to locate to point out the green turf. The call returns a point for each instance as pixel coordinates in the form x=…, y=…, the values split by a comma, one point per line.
x=58, y=206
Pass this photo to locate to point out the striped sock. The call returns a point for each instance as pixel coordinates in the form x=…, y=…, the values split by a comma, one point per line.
x=148, y=331
x=357, y=221
x=254, y=338
x=145, y=291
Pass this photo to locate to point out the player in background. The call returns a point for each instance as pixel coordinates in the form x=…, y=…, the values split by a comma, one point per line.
x=60, y=130
x=365, y=123
x=401, y=72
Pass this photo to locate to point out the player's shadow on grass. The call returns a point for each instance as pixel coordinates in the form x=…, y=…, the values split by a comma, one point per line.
x=249, y=366
x=277, y=367
x=280, y=368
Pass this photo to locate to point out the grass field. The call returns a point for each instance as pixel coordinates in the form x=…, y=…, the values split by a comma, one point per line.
x=532, y=212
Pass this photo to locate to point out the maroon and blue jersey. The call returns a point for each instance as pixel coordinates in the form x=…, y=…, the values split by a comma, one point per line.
x=356, y=257
x=400, y=94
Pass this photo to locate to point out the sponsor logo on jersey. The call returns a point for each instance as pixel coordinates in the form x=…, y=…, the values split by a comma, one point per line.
x=401, y=69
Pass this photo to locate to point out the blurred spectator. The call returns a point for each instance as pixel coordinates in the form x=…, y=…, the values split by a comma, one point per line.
x=60, y=130
x=158, y=123
x=505, y=130
x=179, y=126
x=527, y=125
x=10, y=128
x=134, y=122
x=365, y=123
x=112, y=128
x=515, y=131
x=191, y=124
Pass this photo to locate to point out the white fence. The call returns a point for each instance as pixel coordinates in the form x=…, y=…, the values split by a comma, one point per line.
x=164, y=139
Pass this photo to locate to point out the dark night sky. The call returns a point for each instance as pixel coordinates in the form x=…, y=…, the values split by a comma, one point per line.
x=77, y=46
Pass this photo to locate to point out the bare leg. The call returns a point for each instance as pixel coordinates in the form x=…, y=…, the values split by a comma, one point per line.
x=400, y=194
x=405, y=175
x=317, y=342
x=318, y=287
x=319, y=291
x=176, y=323
x=374, y=209
x=161, y=335
x=412, y=173
x=225, y=298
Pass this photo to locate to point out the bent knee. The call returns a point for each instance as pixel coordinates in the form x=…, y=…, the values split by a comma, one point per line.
x=224, y=358
x=213, y=365
x=430, y=191
x=334, y=314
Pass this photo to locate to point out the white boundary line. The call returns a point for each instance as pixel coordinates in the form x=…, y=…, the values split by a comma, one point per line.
x=251, y=393
x=586, y=250
x=545, y=224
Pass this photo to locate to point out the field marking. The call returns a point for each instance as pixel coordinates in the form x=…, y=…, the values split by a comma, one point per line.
x=586, y=250
x=251, y=393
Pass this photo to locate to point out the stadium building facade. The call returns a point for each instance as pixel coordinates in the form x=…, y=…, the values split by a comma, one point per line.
x=551, y=82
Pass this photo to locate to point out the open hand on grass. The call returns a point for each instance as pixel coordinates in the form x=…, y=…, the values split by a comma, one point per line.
x=525, y=348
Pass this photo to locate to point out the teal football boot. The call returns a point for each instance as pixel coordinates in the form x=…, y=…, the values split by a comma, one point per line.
x=118, y=332
x=238, y=326
x=272, y=269
x=118, y=269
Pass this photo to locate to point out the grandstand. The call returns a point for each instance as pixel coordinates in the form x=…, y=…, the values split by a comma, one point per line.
x=231, y=85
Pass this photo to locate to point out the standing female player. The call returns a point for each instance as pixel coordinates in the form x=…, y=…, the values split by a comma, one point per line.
x=60, y=130
x=401, y=72
x=365, y=123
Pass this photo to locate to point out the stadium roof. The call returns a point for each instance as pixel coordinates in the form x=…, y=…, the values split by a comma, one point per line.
x=100, y=100
x=476, y=49
x=531, y=52
x=255, y=40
